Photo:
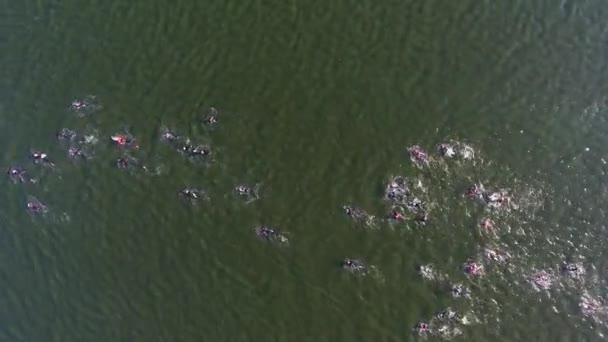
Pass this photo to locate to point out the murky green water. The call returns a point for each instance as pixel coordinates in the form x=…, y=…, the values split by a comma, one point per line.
x=318, y=101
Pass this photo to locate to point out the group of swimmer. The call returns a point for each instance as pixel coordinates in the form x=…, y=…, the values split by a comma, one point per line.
x=497, y=203
x=404, y=196
x=78, y=148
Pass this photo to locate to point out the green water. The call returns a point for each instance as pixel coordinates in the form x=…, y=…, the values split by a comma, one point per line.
x=318, y=102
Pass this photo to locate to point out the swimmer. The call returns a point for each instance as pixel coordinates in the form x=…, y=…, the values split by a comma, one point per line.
x=247, y=192
x=272, y=235
x=396, y=215
x=446, y=150
x=459, y=291
x=445, y=324
x=446, y=315
x=473, y=269
x=210, y=119
x=573, y=270
x=86, y=105
x=422, y=328
x=497, y=200
x=200, y=150
x=415, y=205
x=77, y=153
x=493, y=197
x=418, y=156
x=17, y=174
x=357, y=214
x=41, y=158
x=127, y=162
x=496, y=256
x=428, y=272
x=487, y=224
x=35, y=206
x=465, y=152
x=542, y=280
x=397, y=190
x=122, y=163
x=475, y=192
x=422, y=218
x=569, y=268
x=78, y=105
x=593, y=307
x=191, y=150
x=66, y=134
x=193, y=194
x=125, y=140
x=354, y=266
x=186, y=146
x=168, y=136
x=88, y=139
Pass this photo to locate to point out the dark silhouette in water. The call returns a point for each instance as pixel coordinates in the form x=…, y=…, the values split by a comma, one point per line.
x=272, y=235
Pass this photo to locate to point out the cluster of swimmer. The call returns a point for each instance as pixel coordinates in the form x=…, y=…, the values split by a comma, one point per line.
x=404, y=196
x=406, y=204
x=127, y=143
x=399, y=192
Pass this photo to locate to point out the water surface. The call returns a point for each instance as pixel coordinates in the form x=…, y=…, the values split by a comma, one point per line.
x=319, y=101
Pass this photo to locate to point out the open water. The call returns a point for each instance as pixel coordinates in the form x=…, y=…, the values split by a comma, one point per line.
x=318, y=101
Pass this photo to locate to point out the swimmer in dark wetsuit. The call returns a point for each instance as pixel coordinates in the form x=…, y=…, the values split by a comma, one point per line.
x=247, y=192
x=185, y=147
x=354, y=266
x=459, y=291
x=446, y=150
x=414, y=205
x=168, y=136
x=85, y=105
x=200, y=151
x=272, y=235
x=496, y=256
x=499, y=199
x=397, y=190
x=573, y=270
x=569, y=268
x=446, y=315
x=77, y=153
x=422, y=218
x=17, y=175
x=190, y=150
x=210, y=119
x=77, y=105
x=66, y=134
x=193, y=195
x=41, y=158
x=122, y=163
x=356, y=214
x=128, y=162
